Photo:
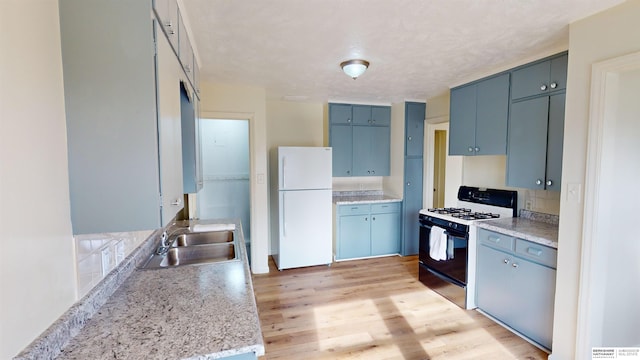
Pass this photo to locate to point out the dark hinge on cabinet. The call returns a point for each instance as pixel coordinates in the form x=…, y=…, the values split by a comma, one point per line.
x=160, y=200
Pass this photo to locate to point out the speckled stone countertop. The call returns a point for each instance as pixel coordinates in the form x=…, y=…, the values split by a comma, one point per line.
x=366, y=196
x=541, y=232
x=191, y=312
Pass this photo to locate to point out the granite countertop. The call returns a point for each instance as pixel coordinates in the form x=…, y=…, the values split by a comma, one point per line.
x=367, y=196
x=541, y=232
x=191, y=312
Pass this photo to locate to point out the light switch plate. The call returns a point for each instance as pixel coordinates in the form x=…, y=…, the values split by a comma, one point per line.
x=574, y=193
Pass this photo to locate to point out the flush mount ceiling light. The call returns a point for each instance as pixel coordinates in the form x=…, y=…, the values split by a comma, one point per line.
x=354, y=68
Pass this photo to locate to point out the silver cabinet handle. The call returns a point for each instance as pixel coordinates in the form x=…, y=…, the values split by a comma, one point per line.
x=549, y=182
x=409, y=138
x=348, y=120
x=515, y=265
x=373, y=172
x=369, y=121
x=365, y=219
x=470, y=149
x=538, y=182
x=506, y=261
x=477, y=149
x=177, y=202
x=543, y=87
x=409, y=183
x=373, y=218
x=553, y=85
x=168, y=24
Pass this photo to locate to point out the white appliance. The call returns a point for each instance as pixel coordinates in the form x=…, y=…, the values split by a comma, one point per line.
x=304, y=207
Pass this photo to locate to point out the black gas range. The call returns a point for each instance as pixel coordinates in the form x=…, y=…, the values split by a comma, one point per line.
x=447, y=240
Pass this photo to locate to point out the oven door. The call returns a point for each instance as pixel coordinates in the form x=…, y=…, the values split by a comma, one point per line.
x=454, y=268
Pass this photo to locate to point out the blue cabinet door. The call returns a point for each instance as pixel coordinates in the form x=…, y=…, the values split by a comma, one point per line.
x=385, y=233
x=530, y=80
x=462, y=121
x=414, y=128
x=340, y=139
x=371, y=148
x=340, y=114
x=354, y=236
x=411, y=205
x=534, y=287
x=380, y=150
x=492, y=116
x=495, y=284
x=527, y=149
x=381, y=115
x=361, y=114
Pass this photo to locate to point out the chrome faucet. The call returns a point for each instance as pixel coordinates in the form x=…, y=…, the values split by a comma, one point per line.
x=164, y=244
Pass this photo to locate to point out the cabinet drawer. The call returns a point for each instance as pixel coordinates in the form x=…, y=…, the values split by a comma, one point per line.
x=536, y=252
x=385, y=207
x=497, y=240
x=355, y=209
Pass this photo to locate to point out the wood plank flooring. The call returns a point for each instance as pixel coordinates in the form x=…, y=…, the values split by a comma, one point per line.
x=373, y=309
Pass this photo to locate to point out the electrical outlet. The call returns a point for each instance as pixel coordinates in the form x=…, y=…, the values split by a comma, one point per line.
x=106, y=260
x=527, y=205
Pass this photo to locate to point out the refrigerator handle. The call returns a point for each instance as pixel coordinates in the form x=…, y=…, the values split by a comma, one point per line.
x=284, y=214
x=284, y=172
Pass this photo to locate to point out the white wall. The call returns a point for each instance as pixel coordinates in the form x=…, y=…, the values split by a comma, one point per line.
x=37, y=277
x=227, y=101
x=608, y=34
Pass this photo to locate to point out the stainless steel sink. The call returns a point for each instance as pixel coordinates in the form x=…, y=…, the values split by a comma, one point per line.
x=203, y=238
x=193, y=249
x=198, y=255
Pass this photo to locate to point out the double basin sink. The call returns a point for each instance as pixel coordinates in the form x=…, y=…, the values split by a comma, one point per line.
x=191, y=248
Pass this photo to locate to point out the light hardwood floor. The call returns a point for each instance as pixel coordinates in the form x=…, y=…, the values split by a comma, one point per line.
x=373, y=309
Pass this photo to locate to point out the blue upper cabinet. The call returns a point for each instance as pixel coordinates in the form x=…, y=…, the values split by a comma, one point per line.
x=540, y=78
x=360, y=138
x=462, y=124
x=414, y=136
x=341, y=138
x=478, y=117
x=340, y=114
x=536, y=124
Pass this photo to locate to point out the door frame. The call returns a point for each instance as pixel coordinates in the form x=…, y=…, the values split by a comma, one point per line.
x=593, y=264
x=453, y=164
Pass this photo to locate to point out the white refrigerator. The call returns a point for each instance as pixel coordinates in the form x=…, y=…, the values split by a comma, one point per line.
x=304, y=207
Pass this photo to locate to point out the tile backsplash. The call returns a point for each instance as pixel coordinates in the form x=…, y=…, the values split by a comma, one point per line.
x=542, y=201
x=98, y=254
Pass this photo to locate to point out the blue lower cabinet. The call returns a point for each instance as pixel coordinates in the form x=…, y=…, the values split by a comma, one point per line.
x=516, y=285
x=366, y=230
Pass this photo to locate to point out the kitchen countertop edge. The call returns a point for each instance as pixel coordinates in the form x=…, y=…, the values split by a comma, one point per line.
x=539, y=232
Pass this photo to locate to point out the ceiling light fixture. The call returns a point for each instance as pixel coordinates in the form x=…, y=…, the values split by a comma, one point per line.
x=354, y=68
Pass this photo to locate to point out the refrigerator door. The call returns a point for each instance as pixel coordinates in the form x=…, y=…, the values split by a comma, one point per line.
x=305, y=229
x=303, y=168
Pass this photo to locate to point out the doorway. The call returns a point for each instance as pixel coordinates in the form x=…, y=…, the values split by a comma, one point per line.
x=608, y=299
x=439, y=167
x=442, y=173
x=225, y=192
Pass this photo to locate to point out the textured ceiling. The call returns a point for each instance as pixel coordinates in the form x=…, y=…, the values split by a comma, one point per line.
x=417, y=48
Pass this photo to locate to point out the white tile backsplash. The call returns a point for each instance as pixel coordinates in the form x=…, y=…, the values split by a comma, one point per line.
x=98, y=254
x=543, y=201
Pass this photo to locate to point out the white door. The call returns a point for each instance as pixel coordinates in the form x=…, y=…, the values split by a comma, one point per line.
x=305, y=228
x=302, y=168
